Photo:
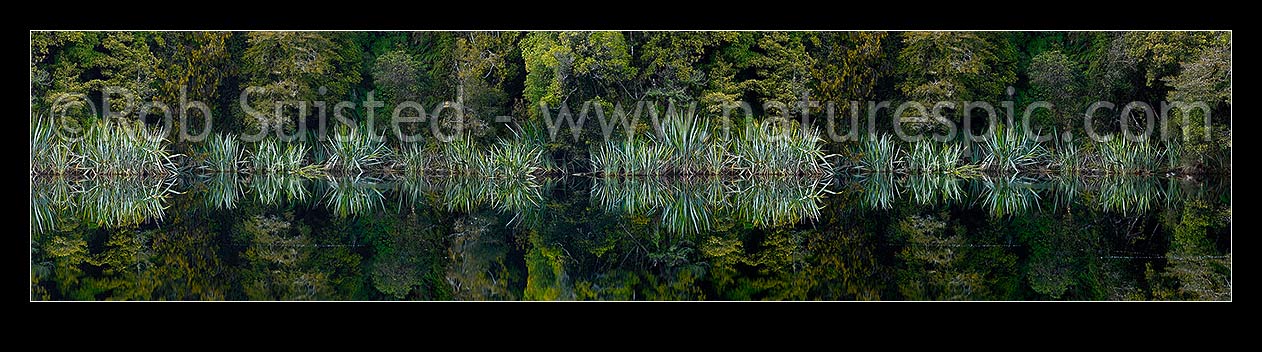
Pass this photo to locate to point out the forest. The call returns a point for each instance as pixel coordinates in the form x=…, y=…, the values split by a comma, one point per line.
x=497, y=81
x=187, y=165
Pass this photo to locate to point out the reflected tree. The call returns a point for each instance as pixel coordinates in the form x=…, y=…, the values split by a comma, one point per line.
x=1195, y=269
x=479, y=267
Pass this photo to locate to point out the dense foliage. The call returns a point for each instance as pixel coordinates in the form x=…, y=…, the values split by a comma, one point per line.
x=704, y=205
x=496, y=81
x=636, y=239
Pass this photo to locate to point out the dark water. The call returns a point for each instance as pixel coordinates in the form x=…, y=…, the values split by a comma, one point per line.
x=882, y=237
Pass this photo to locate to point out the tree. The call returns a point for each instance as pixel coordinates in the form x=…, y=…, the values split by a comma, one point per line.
x=1206, y=79
x=545, y=73
x=1112, y=72
x=783, y=71
x=955, y=67
x=58, y=61
x=569, y=69
x=486, y=63
x=479, y=268
x=674, y=62
x=1190, y=67
x=65, y=64
x=294, y=67
x=1160, y=53
x=1195, y=269
x=434, y=52
x=398, y=76
x=193, y=66
x=581, y=65
x=1055, y=78
x=847, y=65
x=759, y=68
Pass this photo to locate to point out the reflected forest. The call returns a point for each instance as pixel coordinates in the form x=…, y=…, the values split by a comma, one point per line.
x=630, y=166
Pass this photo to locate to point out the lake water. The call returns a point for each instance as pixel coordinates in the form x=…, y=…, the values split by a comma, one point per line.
x=879, y=237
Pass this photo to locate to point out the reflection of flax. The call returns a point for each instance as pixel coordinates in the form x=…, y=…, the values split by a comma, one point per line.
x=414, y=191
x=1174, y=194
x=273, y=189
x=1008, y=196
x=222, y=191
x=49, y=196
x=466, y=194
x=106, y=201
x=353, y=196
x=1124, y=194
x=636, y=195
x=1127, y=195
x=689, y=204
x=778, y=201
x=1067, y=190
x=878, y=190
x=124, y=201
x=931, y=189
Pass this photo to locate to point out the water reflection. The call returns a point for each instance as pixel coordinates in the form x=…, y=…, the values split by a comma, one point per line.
x=1018, y=194
x=279, y=189
x=876, y=237
x=1129, y=195
x=103, y=201
x=685, y=204
x=353, y=196
x=1007, y=196
x=934, y=189
x=467, y=194
x=688, y=205
x=878, y=189
x=48, y=196
x=222, y=190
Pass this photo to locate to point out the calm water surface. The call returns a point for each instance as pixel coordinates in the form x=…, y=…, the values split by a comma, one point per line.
x=879, y=237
